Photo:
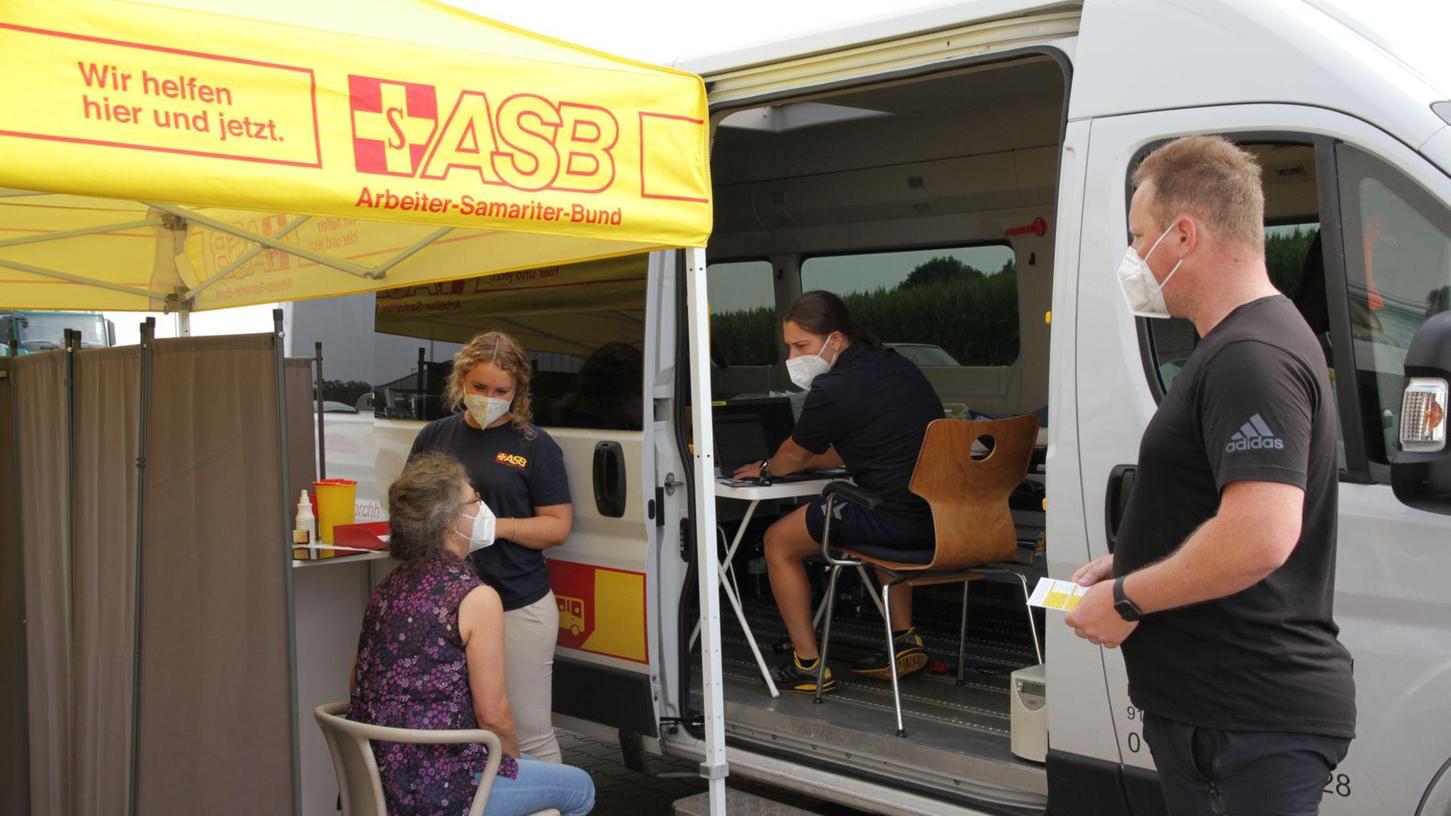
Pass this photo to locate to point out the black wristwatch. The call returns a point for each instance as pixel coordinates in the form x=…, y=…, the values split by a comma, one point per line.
x=764, y=474
x=1126, y=608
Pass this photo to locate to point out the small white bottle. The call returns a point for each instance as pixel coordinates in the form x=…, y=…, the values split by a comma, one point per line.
x=304, y=530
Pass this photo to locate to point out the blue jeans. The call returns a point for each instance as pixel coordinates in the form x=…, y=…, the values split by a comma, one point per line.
x=542, y=785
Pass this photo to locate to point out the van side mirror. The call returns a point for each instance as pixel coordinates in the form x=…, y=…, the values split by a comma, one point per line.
x=1421, y=471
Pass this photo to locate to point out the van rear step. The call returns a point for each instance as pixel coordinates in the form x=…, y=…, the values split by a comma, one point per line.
x=738, y=803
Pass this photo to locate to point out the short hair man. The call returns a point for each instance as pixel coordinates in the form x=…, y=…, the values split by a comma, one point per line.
x=1224, y=574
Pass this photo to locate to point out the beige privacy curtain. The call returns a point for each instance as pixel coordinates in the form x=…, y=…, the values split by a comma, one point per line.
x=39, y=384
x=14, y=773
x=77, y=557
x=210, y=727
x=107, y=431
x=216, y=713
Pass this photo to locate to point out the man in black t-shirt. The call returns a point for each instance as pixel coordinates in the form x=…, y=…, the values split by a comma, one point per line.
x=1224, y=575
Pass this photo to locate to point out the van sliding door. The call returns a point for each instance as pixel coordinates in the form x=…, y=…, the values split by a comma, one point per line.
x=591, y=392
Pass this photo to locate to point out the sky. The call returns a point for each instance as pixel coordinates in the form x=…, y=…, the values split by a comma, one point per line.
x=241, y=320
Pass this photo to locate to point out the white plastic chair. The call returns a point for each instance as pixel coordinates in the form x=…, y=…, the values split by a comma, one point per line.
x=357, y=770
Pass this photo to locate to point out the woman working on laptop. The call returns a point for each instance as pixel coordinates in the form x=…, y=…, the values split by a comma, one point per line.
x=866, y=409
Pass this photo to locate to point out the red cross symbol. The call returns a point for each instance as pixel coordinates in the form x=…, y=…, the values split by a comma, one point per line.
x=392, y=124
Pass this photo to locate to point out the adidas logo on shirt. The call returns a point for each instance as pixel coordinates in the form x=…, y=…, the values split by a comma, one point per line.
x=1254, y=435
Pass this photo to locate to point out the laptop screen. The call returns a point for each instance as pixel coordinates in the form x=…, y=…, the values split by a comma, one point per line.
x=739, y=439
x=750, y=430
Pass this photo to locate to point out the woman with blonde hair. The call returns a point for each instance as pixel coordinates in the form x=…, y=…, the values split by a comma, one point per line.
x=518, y=470
x=431, y=656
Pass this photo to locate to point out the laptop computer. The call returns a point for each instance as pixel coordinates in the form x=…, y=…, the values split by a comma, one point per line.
x=749, y=430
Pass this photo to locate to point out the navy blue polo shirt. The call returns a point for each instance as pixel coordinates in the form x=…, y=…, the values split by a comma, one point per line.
x=514, y=474
x=873, y=406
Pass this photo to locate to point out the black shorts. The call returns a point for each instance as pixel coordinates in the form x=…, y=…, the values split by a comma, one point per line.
x=870, y=531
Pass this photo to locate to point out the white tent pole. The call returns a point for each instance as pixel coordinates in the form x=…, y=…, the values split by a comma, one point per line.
x=381, y=270
x=190, y=297
x=271, y=243
x=183, y=322
x=76, y=233
x=714, y=767
x=65, y=276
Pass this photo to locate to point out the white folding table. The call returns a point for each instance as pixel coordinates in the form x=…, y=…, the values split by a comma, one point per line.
x=755, y=494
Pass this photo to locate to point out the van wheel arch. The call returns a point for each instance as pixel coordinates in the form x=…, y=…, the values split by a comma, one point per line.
x=1436, y=801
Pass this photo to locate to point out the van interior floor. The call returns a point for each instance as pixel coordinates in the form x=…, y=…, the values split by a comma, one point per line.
x=957, y=736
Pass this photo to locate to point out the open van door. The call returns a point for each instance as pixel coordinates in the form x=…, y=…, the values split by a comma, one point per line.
x=619, y=663
x=584, y=329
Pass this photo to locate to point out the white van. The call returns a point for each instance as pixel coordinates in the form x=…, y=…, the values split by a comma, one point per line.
x=961, y=175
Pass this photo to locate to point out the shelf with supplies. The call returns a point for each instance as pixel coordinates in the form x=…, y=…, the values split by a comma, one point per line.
x=342, y=558
x=355, y=542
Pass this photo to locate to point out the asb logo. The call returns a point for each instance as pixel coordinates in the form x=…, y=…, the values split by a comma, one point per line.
x=513, y=460
x=393, y=123
x=523, y=140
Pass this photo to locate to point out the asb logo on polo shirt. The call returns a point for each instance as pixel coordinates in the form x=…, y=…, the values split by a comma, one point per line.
x=513, y=460
x=393, y=123
x=1254, y=435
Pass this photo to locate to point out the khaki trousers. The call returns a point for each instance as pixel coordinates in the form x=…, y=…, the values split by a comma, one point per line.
x=529, y=636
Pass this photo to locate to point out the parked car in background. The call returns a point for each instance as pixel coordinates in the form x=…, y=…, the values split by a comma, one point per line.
x=923, y=354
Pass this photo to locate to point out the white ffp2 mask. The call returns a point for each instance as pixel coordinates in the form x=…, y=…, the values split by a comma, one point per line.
x=481, y=534
x=1143, y=294
x=486, y=410
x=803, y=370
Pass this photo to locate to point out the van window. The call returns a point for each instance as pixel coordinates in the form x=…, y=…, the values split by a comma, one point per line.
x=1287, y=247
x=1398, y=273
x=936, y=307
x=582, y=327
x=742, y=313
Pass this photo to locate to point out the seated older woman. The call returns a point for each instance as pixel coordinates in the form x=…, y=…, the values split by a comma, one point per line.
x=431, y=656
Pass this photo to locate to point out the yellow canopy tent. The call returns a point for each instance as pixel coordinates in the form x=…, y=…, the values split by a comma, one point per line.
x=200, y=154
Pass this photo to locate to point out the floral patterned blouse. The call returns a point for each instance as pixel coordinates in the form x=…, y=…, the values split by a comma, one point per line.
x=411, y=673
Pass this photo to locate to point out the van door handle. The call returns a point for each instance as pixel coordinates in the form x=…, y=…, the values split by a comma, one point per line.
x=1116, y=500
x=609, y=479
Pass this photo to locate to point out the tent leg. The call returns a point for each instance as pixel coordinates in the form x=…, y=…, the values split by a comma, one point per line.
x=321, y=445
x=183, y=323
x=148, y=335
x=714, y=767
x=279, y=350
x=72, y=345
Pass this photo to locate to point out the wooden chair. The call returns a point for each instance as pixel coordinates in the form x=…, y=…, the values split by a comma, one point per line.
x=360, y=786
x=966, y=470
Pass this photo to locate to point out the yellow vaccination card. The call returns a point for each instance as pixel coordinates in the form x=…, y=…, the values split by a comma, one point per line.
x=1051, y=594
